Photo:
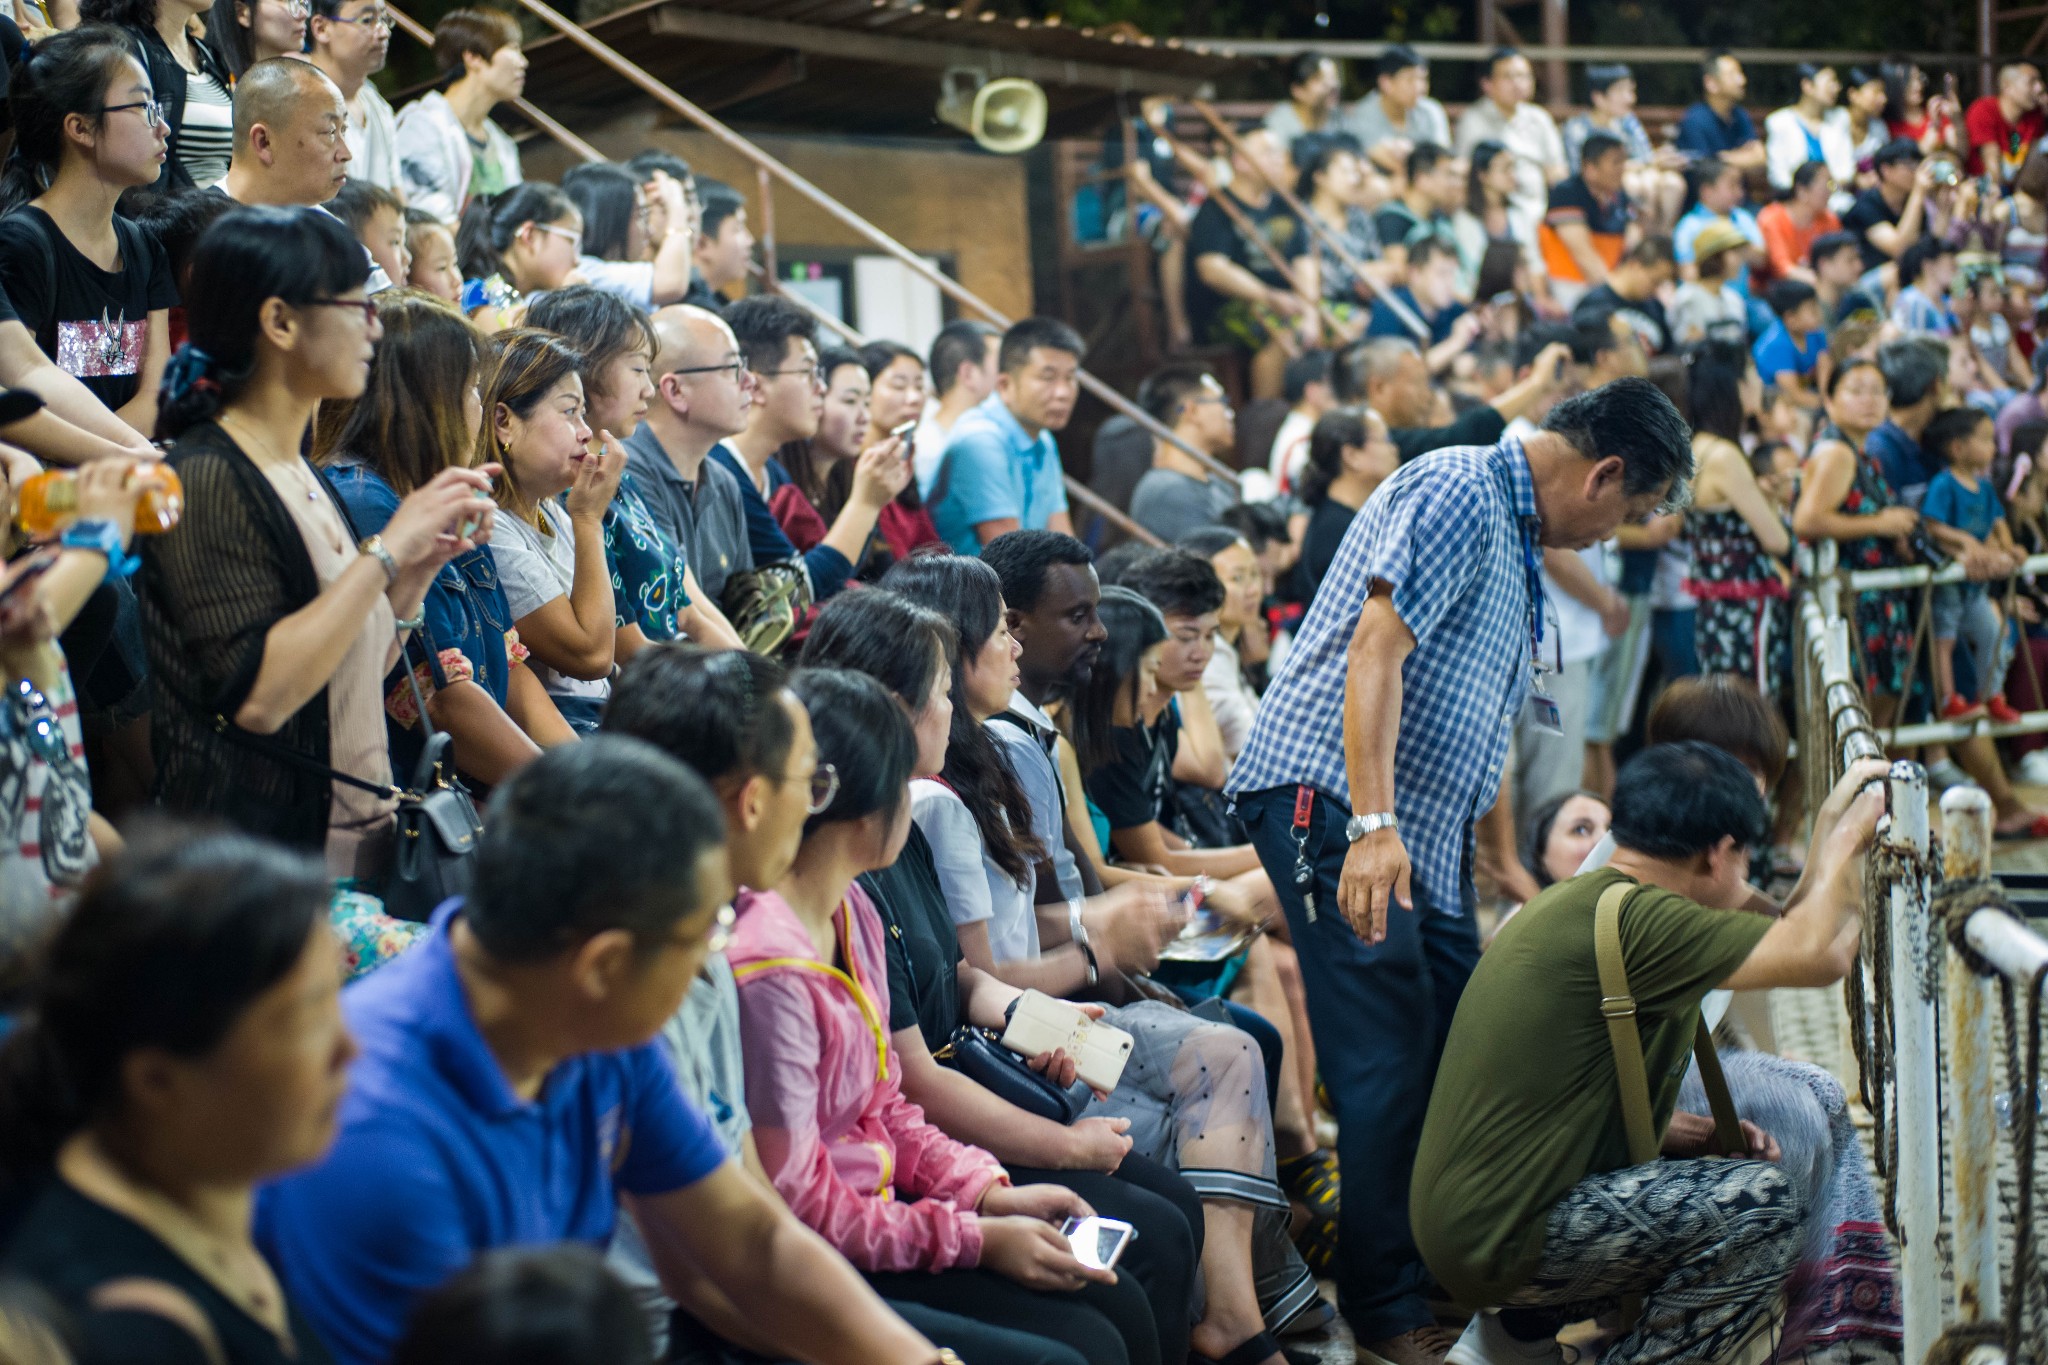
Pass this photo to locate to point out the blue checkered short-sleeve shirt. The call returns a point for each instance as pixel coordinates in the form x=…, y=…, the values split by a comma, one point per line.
x=1448, y=533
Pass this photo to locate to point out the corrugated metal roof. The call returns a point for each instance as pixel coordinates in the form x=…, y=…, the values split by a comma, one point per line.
x=857, y=66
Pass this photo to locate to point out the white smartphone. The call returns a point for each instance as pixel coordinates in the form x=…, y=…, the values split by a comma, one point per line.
x=1098, y=1243
x=1042, y=1023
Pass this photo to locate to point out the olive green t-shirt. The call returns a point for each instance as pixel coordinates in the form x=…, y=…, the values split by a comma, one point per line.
x=1526, y=1103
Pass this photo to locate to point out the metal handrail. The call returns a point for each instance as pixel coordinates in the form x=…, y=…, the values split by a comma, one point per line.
x=960, y=293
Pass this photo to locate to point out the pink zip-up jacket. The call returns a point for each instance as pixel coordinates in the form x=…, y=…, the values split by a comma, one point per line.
x=824, y=1088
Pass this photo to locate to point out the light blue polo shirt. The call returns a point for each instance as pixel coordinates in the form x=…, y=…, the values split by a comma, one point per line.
x=436, y=1160
x=992, y=470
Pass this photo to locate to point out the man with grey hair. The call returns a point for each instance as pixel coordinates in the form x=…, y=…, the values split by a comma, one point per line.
x=1390, y=376
x=291, y=136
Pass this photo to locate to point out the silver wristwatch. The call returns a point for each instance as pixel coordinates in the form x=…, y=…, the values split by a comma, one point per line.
x=1358, y=826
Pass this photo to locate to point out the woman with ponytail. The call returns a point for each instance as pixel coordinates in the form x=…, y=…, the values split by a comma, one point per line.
x=270, y=628
x=510, y=245
x=182, y=1043
x=1348, y=456
x=94, y=289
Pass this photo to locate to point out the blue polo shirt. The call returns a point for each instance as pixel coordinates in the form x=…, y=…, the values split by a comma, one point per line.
x=1702, y=132
x=1776, y=353
x=436, y=1160
x=992, y=470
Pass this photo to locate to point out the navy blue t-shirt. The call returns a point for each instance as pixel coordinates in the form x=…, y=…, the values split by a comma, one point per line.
x=1905, y=465
x=828, y=568
x=1385, y=323
x=1702, y=132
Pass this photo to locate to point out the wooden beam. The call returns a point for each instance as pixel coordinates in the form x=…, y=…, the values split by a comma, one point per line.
x=743, y=81
x=683, y=22
x=1536, y=52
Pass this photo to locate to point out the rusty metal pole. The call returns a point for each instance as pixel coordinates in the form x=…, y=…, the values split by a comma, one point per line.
x=766, y=236
x=1972, y=1061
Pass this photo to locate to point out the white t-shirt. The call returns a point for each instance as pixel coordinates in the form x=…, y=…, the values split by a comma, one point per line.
x=373, y=142
x=976, y=890
x=928, y=448
x=535, y=570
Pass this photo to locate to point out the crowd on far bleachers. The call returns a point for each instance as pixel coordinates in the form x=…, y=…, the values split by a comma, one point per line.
x=354, y=475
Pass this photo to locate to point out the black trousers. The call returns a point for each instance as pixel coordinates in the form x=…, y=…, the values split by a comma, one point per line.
x=1165, y=1256
x=977, y=1342
x=1103, y=1324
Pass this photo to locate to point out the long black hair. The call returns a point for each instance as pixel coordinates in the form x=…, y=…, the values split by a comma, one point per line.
x=1134, y=626
x=895, y=640
x=249, y=255
x=65, y=74
x=608, y=197
x=171, y=941
x=863, y=732
x=1333, y=432
x=968, y=593
x=1713, y=388
x=491, y=221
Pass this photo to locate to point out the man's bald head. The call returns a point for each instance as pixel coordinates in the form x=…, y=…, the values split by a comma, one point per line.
x=686, y=335
x=275, y=91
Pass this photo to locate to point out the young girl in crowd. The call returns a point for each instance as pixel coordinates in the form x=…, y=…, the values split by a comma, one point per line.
x=93, y=288
x=270, y=628
x=1331, y=178
x=192, y=84
x=550, y=548
x=619, y=252
x=1739, y=537
x=509, y=245
x=251, y=31
x=837, y=1137
x=895, y=388
x=431, y=247
x=1349, y=455
x=419, y=415
x=184, y=1044
x=656, y=595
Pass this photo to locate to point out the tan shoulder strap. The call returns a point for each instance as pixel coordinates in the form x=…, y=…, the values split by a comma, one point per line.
x=163, y=1300
x=1618, y=1007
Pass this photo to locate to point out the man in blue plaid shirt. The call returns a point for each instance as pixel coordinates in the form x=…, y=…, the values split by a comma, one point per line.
x=1382, y=741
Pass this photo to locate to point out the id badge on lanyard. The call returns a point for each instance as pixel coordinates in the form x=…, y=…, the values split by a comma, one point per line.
x=1542, y=709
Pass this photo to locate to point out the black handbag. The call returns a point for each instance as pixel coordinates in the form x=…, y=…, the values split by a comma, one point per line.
x=437, y=822
x=436, y=825
x=980, y=1055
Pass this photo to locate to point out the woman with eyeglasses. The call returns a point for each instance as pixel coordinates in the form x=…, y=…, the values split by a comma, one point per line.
x=419, y=415
x=190, y=80
x=94, y=289
x=250, y=31
x=622, y=254
x=271, y=627
x=510, y=245
x=924, y=1217
x=558, y=483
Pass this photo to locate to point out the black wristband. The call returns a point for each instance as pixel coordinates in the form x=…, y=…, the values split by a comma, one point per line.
x=1010, y=1012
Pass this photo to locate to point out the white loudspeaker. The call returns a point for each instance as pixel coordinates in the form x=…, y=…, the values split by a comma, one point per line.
x=1003, y=115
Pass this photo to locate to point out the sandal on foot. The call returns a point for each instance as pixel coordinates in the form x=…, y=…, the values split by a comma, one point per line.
x=1254, y=1350
x=2037, y=828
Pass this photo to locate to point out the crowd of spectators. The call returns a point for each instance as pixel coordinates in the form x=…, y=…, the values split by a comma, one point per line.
x=355, y=472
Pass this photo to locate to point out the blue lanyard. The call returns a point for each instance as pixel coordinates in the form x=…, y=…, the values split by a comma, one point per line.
x=1533, y=571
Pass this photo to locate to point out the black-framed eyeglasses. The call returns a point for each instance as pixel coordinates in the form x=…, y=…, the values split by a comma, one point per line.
x=816, y=372
x=824, y=783
x=738, y=366
x=367, y=307
x=376, y=18
x=151, y=110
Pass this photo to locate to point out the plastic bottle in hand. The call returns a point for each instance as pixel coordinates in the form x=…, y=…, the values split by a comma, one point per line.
x=49, y=501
